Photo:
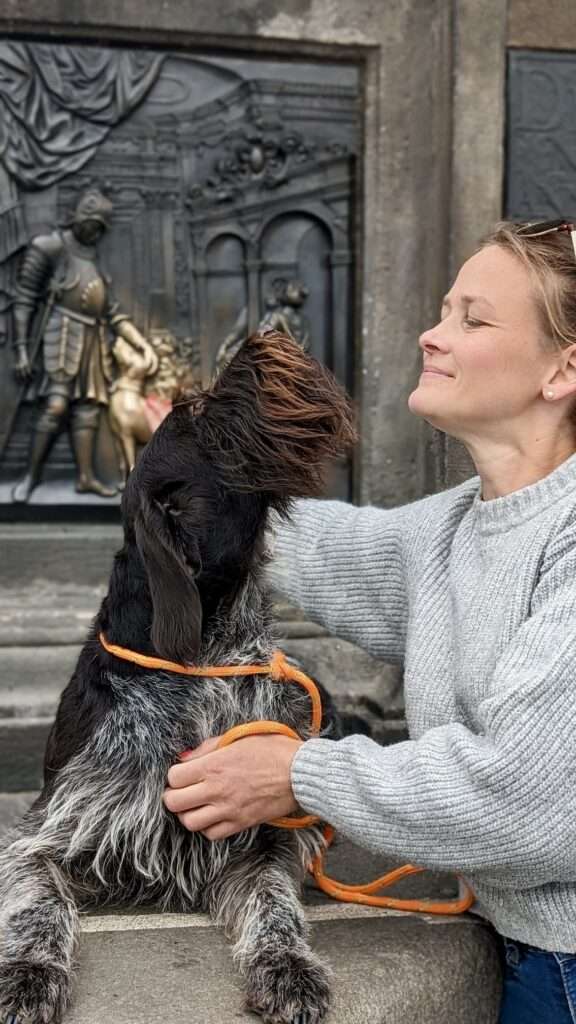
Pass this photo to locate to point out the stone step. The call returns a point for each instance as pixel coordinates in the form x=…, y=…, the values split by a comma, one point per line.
x=141, y=967
x=385, y=968
x=32, y=679
x=22, y=745
x=77, y=554
x=43, y=616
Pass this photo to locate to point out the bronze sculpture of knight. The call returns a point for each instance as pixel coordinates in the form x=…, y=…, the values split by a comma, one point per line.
x=65, y=306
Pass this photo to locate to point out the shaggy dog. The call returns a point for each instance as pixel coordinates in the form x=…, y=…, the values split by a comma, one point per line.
x=186, y=585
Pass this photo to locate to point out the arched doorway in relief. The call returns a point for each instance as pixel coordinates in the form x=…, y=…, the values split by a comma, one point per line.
x=226, y=289
x=298, y=245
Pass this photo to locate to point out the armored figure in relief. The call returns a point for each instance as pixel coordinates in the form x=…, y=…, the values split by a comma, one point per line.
x=65, y=307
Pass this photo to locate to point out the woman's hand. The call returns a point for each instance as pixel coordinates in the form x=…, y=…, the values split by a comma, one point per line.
x=156, y=409
x=221, y=792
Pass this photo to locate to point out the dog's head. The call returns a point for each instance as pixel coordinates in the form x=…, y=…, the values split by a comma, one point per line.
x=196, y=502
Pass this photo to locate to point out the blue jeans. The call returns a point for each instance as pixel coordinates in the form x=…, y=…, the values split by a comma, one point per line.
x=539, y=987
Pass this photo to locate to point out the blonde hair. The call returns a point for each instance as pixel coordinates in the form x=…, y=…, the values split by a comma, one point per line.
x=551, y=262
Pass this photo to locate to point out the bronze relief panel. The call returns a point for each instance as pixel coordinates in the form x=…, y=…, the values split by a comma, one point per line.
x=155, y=208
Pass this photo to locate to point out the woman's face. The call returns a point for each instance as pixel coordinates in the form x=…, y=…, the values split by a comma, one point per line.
x=486, y=350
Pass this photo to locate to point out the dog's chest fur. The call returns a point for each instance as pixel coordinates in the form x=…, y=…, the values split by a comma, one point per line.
x=105, y=820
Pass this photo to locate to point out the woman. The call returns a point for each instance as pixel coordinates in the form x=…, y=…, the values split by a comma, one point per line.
x=474, y=591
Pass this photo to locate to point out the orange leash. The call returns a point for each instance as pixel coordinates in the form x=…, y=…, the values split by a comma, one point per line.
x=281, y=670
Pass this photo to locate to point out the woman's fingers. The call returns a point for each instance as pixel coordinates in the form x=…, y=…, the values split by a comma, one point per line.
x=222, y=830
x=188, y=773
x=177, y=800
x=201, y=818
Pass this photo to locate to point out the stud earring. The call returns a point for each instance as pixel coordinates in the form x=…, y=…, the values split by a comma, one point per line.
x=549, y=394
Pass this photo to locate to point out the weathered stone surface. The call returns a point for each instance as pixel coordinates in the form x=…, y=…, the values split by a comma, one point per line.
x=477, y=172
x=385, y=969
x=22, y=744
x=478, y=111
x=33, y=678
x=73, y=555
x=549, y=26
x=12, y=807
x=347, y=671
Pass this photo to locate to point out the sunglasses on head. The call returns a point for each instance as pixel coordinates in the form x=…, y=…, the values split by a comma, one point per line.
x=549, y=227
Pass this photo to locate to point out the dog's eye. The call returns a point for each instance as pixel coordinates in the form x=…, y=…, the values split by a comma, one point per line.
x=169, y=509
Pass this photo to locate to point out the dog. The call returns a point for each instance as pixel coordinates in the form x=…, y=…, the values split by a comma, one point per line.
x=187, y=585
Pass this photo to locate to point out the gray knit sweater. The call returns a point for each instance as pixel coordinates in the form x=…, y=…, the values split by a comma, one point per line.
x=477, y=599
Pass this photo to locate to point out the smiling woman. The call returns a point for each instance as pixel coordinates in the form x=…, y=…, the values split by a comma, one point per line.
x=473, y=591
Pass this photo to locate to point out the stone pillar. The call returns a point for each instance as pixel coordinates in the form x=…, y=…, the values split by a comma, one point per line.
x=477, y=160
x=201, y=275
x=340, y=271
x=254, y=313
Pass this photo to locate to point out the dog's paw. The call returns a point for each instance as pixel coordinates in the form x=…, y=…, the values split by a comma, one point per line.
x=32, y=993
x=289, y=989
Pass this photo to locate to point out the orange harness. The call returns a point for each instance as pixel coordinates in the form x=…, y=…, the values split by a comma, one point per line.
x=281, y=670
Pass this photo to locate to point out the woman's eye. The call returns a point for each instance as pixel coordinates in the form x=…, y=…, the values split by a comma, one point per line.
x=471, y=322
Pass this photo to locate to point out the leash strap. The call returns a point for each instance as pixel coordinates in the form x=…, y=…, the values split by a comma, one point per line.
x=281, y=670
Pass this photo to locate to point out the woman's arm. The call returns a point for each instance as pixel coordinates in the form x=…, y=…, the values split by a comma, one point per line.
x=500, y=801
x=345, y=567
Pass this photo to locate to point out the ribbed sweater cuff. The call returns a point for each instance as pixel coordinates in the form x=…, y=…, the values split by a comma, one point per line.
x=307, y=773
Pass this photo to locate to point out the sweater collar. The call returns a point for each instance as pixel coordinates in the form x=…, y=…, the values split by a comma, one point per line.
x=498, y=514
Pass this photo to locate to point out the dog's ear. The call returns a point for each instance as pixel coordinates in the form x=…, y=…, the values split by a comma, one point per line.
x=171, y=571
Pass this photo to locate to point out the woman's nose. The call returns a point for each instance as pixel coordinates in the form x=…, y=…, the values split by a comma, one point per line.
x=430, y=339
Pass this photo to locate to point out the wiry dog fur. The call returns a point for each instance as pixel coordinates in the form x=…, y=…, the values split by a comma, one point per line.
x=186, y=586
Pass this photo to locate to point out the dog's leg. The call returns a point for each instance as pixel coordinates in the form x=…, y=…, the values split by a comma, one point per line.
x=257, y=902
x=39, y=928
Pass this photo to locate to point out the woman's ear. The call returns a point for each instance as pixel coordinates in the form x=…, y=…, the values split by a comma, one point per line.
x=171, y=570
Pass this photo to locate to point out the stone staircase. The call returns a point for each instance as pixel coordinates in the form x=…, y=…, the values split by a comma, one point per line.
x=148, y=967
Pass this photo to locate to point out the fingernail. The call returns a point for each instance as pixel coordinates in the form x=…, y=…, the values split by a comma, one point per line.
x=185, y=755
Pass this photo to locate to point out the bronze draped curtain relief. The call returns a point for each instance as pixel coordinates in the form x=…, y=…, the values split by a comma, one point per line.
x=58, y=103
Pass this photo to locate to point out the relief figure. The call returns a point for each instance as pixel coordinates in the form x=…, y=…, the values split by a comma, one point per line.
x=126, y=411
x=64, y=309
x=142, y=392
x=282, y=314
